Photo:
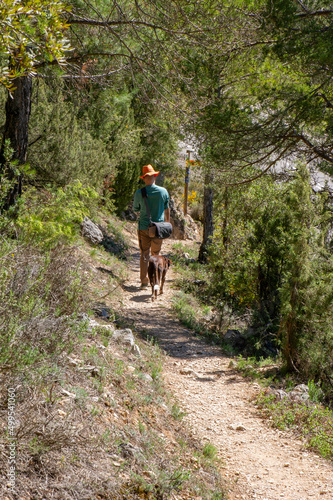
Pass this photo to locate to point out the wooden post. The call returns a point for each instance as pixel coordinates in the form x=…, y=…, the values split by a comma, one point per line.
x=187, y=177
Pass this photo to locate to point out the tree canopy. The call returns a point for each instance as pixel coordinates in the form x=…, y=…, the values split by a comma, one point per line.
x=33, y=33
x=271, y=91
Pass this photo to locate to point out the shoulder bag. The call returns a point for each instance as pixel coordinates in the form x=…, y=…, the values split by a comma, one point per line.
x=160, y=230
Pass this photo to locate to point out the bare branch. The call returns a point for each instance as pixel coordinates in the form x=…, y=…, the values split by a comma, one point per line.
x=106, y=23
x=317, y=13
x=319, y=152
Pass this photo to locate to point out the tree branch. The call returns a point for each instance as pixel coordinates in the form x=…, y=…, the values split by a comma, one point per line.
x=94, y=22
x=247, y=181
x=319, y=152
x=316, y=13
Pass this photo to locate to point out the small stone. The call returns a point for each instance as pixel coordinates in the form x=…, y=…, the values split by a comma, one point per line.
x=286, y=464
x=185, y=371
x=69, y=394
x=188, y=371
x=136, y=350
x=236, y=427
x=73, y=361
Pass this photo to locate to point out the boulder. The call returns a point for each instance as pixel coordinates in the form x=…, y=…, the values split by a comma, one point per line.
x=279, y=393
x=299, y=393
x=235, y=339
x=124, y=336
x=91, y=231
x=184, y=226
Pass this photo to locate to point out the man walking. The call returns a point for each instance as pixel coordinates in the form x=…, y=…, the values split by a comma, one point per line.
x=158, y=203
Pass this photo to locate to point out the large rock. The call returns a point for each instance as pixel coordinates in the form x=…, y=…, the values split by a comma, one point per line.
x=126, y=338
x=123, y=337
x=300, y=393
x=235, y=339
x=91, y=231
x=184, y=226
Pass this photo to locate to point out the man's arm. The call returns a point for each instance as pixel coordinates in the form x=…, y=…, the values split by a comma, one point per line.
x=136, y=202
x=167, y=215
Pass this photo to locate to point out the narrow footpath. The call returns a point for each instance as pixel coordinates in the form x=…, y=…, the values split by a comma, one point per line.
x=260, y=462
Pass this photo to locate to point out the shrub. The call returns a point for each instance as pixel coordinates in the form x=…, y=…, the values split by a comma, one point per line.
x=39, y=297
x=54, y=215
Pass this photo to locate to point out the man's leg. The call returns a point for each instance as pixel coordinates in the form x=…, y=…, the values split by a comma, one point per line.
x=156, y=245
x=144, y=244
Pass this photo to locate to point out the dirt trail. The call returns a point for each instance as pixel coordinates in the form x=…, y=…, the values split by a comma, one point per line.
x=260, y=462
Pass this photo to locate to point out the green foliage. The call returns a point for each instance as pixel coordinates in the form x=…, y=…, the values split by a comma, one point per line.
x=11, y=170
x=209, y=451
x=64, y=145
x=177, y=413
x=273, y=97
x=271, y=257
x=102, y=138
x=306, y=297
x=315, y=393
x=165, y=481
x=54, y=216
x=32, y=33
x=247, y=232
x=314, y=422
x=191, y=312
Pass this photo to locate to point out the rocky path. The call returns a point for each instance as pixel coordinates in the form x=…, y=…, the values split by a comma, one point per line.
x=260, y=462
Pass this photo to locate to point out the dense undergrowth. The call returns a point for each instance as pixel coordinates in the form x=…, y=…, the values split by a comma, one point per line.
x=193, y=302
x=312, y=422
x=268, y=275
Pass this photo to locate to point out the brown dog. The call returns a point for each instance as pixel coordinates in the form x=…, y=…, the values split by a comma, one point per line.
x=157, y=269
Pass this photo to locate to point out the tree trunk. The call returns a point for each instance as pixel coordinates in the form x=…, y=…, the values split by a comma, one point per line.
x=207, y=218
x=18, y=108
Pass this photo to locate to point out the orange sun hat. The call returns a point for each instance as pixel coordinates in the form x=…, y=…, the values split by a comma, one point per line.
x=148, y=170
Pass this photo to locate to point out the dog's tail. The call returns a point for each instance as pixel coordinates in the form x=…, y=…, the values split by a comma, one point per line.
x=156, y=288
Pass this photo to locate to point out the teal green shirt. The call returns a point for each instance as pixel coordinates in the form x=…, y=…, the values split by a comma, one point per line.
x=158, y=201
